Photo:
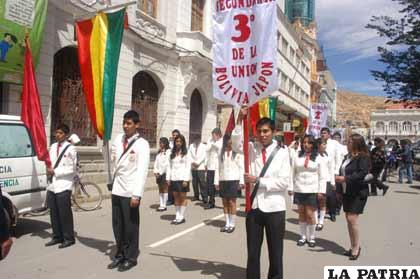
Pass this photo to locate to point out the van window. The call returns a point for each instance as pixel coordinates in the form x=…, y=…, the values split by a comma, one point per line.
x=15, y=141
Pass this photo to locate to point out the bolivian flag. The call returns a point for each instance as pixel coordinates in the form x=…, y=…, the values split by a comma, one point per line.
x=99, y=43
x=266, y=107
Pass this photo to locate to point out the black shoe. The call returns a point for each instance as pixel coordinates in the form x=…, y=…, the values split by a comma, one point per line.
x=224, y=229
x=53, y=242
x=355, y=257
x=311, y=243
x=160, y=209
x=66, y=244
x=301, y=242
x=180, y=222
x=332, y=217
x=230, y=230
x=126, y=265
x=385, y=189
x=319, y=227
x=115, y=263
x=209, y=206
x=347, y=253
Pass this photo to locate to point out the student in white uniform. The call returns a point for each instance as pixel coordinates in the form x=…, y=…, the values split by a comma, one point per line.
x=197, y=153
x=213, y=148
x=161, y=170
x=229, y=178
x=308, y=185
x=330, y=180
x=180, y=176
x=64, y=168
x=336, y=199
x=269, y=205
x=130, y=156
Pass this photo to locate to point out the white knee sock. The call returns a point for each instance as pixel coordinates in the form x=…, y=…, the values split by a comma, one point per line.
x=160, y=200
x=321, y=217
x=303, y=226
x=177, y=209
x=316, y=216
x=311, y=232
x=232, y=220
x=227, y=217
x=165, y=199
x=182, y=212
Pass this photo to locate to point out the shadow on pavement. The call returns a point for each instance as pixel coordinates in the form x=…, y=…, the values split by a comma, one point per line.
x=167, y=217
x=216, y=269
x=294, y=221
x=415, y=187
x=405, y=192
x=106, y=247
x=33, y=227
x=214, y=223
x=154, y=206
x=322, y=245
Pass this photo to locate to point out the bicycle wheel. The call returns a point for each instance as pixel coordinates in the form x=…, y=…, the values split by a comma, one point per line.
x=87, y=196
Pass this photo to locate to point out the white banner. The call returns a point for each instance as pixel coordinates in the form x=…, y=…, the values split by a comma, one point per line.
x=244, y=50
x=318, y=119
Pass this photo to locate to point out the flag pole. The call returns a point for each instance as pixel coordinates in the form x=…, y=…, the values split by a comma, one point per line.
x=248, y=204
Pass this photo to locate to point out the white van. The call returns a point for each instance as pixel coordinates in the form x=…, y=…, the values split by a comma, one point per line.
x=23, y=179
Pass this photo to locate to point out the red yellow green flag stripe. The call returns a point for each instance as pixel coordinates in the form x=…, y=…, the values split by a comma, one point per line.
x=266, y=107
x=99, y=44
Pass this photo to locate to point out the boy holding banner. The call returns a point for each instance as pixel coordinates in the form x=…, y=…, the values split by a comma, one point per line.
x=270, y=177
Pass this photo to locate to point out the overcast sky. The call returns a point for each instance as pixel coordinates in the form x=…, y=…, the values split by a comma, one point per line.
x=350, y=48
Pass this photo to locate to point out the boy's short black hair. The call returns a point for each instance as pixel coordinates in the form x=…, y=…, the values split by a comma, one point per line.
x=176, y=131
x=133, y=115
x=217, y=131
x=326, y=129
x=336, y=134
x=64, y=128
x=266, y=121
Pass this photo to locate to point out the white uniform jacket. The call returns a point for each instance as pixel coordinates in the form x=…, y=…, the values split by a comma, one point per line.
x=334, y=153
x=66, y=170
x=180, y=169
x=276, y=181
x=130, y=170
x=213, y=149
x=198, y=155
x=327, y=161
x=162, y=163
x=311, y=179
x=231, y=168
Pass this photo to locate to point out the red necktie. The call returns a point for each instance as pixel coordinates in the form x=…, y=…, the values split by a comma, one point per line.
x=125, y=143
x=58, y=148
x=306, y=161
x=264, y=155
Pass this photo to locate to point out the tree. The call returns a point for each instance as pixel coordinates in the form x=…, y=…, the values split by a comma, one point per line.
x=401, y=55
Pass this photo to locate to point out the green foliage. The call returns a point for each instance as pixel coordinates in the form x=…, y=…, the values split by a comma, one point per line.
x=401, y=55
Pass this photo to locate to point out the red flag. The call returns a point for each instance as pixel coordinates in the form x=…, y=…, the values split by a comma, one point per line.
x=254, y=117
x=31, y=109
x=231, y=123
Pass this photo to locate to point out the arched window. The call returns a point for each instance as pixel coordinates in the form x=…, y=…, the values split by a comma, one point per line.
x=68, y=104
x=149, y=7
x=145, y=96
x=196, y=114
x=197, y=12
x=380, y=127
x=393, y=126
x=406, y=127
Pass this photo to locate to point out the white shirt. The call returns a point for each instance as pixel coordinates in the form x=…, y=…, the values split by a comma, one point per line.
x=333, y=152
x=66, y=169
x=162, y=160
x=330, y=175
x=180, y=169
x=310, y=179
x=276, y=181
x=130, y=172
x=213, y=150
x=198, y=155
x=231, y=168
x=342, y=152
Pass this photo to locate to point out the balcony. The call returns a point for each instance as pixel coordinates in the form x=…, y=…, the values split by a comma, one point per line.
x=195, y=41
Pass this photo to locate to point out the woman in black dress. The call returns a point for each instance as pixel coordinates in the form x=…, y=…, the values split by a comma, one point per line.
x=354, y=188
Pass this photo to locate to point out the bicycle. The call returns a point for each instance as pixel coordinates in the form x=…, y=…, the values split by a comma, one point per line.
x=87, y=196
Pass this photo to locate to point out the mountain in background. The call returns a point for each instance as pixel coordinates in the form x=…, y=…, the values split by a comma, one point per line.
x=354, y=109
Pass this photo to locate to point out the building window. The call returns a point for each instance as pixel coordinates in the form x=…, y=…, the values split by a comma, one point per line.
x=292, y=55
x=380, y=127
x=407, y=126
x=393, y=127
x=279, y=37
x=283, y=84
x=149, y=7
x=197, y=8
x=284, y=46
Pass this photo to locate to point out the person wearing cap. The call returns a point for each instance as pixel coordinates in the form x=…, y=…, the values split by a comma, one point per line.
x=213, y=148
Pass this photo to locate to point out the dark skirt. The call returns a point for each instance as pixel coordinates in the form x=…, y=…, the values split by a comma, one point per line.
x=161, y=180
x=229, y=189
x=176, y=186
x=309, y=199
x=355, y=203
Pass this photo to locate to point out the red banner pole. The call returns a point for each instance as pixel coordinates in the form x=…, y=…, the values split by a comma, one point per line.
x=248, y=204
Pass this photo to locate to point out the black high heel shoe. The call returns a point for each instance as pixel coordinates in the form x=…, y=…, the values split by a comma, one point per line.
x=347, y=253
x=355, y=257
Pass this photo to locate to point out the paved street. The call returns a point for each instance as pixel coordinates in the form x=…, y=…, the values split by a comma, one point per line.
x=390, y=235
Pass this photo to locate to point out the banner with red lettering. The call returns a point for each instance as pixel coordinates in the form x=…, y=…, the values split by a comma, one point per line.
x=318, y=119
x=244, y=50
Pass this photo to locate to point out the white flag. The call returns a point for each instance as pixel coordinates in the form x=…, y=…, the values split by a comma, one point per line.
x=244, y=50
x=318, y=119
